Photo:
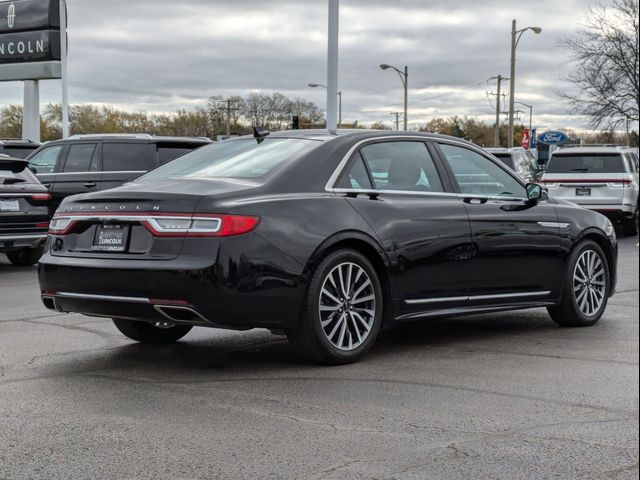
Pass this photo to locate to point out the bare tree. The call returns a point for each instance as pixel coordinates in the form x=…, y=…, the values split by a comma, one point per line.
x=605, y=52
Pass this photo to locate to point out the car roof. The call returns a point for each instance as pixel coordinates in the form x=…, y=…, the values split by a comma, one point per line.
x=133, y=136
x=357, y=134
x=18, y=142
x=583, y=150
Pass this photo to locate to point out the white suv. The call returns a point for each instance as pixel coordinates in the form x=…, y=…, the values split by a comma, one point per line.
x=601, y=178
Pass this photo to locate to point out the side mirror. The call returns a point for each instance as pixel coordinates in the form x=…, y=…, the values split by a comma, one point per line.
x=535, y=192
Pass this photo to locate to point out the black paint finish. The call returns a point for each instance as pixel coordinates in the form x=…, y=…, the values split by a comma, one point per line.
x=437, y=253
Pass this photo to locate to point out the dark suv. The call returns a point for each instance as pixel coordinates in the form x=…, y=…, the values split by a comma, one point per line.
x=24, y=212
x=87, y=163
x=16, y=148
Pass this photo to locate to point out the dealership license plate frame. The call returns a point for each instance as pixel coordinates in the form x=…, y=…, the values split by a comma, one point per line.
x=583, y=191
x=10, y=205
x=110, y=238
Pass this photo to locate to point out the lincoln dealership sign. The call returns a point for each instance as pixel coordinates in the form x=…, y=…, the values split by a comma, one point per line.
x=30, y=46
x=29, y=39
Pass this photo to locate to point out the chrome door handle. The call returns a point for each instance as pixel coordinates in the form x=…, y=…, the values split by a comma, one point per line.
x=475, y=200
x=90, y=184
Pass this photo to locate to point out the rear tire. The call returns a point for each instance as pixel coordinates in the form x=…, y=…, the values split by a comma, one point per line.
x=25, y=257
x=586, y=287
x=342, y=313
x=630, y=225
x=145, y=332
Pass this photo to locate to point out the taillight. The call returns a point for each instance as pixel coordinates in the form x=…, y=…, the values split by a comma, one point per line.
x=167, y=225
x=620, y=184
x=200, y=226
x=41, y=197
x=61, y=225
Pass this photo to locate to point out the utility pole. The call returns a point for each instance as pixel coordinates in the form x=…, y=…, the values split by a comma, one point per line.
x=397, y=120
x=228, y=108
x=496, y=136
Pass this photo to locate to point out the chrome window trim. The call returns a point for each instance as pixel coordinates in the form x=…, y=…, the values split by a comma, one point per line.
x=461, y=196
x=110, y=298
x=476, y=297
x=329, y=187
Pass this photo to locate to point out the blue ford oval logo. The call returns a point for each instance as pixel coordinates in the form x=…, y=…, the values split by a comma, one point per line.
x=553, y=137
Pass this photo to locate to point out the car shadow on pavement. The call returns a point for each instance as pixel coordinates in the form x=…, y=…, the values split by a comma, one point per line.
x=217, y=357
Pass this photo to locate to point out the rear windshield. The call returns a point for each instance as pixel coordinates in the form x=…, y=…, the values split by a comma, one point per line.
x=244, y=158
x=504, y=158
x=7, y=177
x=18, y=152
x=586, y=163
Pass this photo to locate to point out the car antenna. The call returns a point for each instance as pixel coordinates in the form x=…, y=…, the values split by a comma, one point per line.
x=260, y=133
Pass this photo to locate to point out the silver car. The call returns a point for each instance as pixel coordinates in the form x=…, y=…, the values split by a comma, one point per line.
x=520, y=160
x=601, y=178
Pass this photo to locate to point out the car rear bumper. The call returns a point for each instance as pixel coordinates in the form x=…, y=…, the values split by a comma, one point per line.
x=10, y=242
x=246, y=284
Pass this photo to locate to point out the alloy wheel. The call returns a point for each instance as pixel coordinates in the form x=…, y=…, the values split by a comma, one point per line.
x=347, y=306
x=589, y=282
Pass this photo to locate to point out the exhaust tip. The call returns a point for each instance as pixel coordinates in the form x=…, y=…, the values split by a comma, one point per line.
x=176, y=313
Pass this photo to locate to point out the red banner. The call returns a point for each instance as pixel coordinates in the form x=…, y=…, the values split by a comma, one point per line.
x=525, y=138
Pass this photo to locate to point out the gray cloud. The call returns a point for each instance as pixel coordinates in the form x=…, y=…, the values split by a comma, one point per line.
x=156, y=55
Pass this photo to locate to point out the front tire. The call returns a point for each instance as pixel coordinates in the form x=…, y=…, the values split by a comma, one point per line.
x=25, y=257
x=145, y=332
x=586, y=287
x=342, y=313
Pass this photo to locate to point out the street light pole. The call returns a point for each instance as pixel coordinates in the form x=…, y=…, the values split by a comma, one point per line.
x=332, y=65
x=404, y=76
x=515, y=38
x=314, y=85
x=530, y=107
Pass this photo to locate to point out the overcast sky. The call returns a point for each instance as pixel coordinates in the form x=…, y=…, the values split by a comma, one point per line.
x=158, y=56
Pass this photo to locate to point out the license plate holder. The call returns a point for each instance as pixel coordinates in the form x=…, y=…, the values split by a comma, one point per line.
x=9, y=206
x=110, y=238
x=583, y=191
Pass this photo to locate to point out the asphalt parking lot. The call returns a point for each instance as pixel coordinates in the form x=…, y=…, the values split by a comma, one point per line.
x=504, y=396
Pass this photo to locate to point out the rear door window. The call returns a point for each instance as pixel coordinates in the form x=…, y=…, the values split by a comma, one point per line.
x=404, y=166
x=81, y=157
x=45, y=160
x=166, y=153
x=586, y=163
x=124, y=157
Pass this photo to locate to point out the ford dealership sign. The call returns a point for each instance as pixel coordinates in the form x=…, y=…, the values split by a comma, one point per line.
x=553, y=137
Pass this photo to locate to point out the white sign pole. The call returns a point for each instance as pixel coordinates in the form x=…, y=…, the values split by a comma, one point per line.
x=332, y=66
x=63, y=62
x=31, y=111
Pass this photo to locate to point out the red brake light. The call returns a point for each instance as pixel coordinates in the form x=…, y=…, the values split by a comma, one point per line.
x=41, y=197
x=237, y=225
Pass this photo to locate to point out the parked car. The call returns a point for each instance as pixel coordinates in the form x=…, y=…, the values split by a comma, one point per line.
x=86, y=163
x=17, y=148
x=520, y=160
x=604, y=179
x=327, y=238
x=24, y=212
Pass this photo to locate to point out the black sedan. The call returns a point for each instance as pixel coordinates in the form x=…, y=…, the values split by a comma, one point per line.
x=327, y=238
x=24, y=212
